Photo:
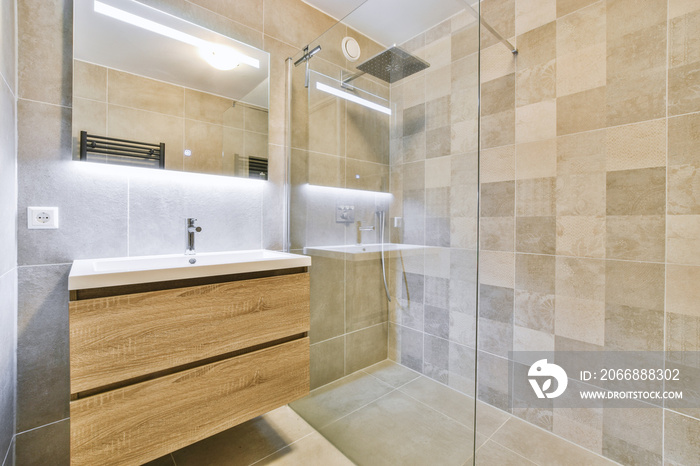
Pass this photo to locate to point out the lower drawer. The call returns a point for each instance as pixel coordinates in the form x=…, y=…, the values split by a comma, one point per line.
x=141, y=422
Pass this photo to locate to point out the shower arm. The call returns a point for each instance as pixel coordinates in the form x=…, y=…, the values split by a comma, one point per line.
x=488, y=27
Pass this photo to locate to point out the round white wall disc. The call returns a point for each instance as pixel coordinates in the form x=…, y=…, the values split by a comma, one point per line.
x=351, y=49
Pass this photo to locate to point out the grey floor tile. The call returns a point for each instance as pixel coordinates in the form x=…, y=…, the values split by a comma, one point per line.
x=392, y=373
x=396, y=429
x=45, y=445
x=335, y=400
x=248, y=442
x=542, y=447
x=442, y=398
x=313, y=450
x=492, y=453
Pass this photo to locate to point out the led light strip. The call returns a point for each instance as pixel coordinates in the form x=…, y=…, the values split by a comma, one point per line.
x=352, y=98
x=166, y=31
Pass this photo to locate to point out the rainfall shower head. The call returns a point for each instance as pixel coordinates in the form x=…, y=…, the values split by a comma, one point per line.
x=392, y=65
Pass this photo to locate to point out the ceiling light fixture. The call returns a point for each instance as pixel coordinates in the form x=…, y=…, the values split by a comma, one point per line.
x=219, y=56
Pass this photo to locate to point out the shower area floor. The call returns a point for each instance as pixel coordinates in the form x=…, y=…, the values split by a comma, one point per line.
x=385, y=414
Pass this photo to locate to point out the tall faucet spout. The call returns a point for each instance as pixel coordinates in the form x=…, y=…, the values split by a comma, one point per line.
x=191, y=230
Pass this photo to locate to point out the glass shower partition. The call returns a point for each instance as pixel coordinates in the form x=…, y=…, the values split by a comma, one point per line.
x=383, y=168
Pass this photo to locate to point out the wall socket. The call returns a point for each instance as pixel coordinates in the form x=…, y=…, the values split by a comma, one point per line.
x=42, y=218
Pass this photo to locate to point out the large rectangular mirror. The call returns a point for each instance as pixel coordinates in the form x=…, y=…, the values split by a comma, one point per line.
x=154, y=90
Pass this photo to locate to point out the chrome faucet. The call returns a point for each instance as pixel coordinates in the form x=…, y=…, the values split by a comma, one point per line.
x=191, y=230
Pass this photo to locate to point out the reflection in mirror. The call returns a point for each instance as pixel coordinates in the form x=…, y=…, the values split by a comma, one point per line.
x=151, y=89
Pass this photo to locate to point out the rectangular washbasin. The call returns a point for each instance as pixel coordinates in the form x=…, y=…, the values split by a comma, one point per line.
x=357, y=252
x=117, y=271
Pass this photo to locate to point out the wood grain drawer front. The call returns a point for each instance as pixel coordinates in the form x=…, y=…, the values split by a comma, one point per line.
x=141, y=422
x=122, y=337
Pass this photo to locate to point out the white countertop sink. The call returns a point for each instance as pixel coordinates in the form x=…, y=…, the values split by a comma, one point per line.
x=98, y=273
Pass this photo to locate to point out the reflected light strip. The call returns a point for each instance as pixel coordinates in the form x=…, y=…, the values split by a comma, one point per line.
x=332, y=189
x=166, y=31
x=352, y=98
x=154, y=175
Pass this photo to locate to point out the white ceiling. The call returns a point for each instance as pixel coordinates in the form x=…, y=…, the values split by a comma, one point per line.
x=109, y=42
x=390, y=22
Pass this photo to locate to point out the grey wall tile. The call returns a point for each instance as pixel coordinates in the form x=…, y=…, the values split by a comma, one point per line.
x=8, y=363
x=436, y=363
x=411, y=348
x=43, y=379
x=365, y=347
x=47, y=445
x=8, y=178
x=327, y=361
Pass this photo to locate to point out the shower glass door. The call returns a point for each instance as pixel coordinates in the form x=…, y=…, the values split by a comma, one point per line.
x=383, y=195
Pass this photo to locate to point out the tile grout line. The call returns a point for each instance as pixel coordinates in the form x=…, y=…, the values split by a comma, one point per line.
x=9, y=448
x=666, y=231
x=41, y=426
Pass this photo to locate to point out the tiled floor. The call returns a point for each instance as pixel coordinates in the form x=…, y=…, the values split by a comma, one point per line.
x=383, y=415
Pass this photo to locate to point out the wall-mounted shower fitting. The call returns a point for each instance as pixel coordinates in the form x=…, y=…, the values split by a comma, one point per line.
x=344, y=213
x=305, y=59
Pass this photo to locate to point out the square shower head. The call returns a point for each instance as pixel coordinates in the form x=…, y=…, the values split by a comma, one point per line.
x=392, y=65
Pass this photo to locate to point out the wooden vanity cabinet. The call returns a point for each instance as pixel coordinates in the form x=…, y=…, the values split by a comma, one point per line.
x=156, y=367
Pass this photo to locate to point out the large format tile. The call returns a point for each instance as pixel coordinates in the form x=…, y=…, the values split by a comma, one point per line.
x=541, y=447
x=42, y=346
x=312, y=450
x=335, y=400
x=248, y=442
x=46, y=445
x=397, y=429
x=392, y=373
x=443, y=399
x=491, y=453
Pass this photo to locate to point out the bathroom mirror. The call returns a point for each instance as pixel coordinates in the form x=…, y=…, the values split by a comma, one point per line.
x=151, y=89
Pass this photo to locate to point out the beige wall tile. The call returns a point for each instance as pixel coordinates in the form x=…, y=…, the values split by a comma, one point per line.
x=631, y=435
x=497, y=268
x=209, y=108
x=498, y=95
x=496, y=61
x=140, y=125
x=537, y=46
x=206, y=143
x=681, y=82
x=536, y=235
x=498, y=199
x=248, y=12
x=129, y=90
x=90, y=116
x=564, y=7
x=326, y=126
x=327, y=299
x=683, y=190
x=498, y=164
x=532, y=14
x=581, y=236
x=640, y=145
x=536, y=122
x=500, y=14
x=581, y=153
x=634, y=284
x=580, y=319
x=326, y=170
x=684, y=44
x=581, y=426
x=581, y=195
x=497, y=129
x=582, y=70
x=624, y=17
x=681, y=438
x=534, y=310
x=438, y=172
x=535, y=197
x=683, y=140
x=367, y=134
x=682, y=333
x=582, y=29
x=366, y=176
x=581, y=278
x=636, y=192
x=682, y=292
x=89, y=81
x=536, y=159
x=256, y=120
x=295, y=23
x=44, y=51
x=536, y=83
x=683, y=239
x=583, y=111
x=465, y=40
x=636, y=76
x=497, y=233
x=681, y=7
x=525, y=339
x=535, y=273
x=636, y=237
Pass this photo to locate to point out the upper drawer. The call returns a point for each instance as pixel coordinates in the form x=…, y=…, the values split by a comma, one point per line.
x=118, y=338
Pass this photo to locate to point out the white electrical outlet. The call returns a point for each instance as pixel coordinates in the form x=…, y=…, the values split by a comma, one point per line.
x=42, y=218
